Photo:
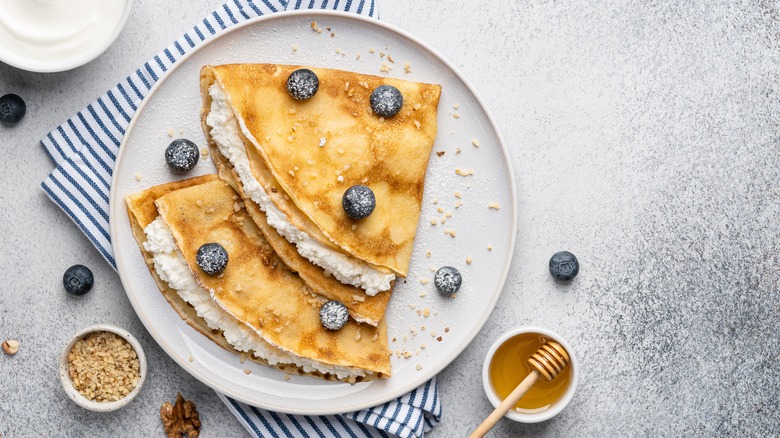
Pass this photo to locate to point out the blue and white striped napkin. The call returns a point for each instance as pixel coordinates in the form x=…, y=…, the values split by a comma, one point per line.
x=84, y=148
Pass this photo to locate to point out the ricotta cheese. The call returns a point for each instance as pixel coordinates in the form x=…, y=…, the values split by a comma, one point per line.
x=173, y=269
x=348, y=270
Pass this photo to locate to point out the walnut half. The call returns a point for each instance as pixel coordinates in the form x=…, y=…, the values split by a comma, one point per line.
x=180, y=419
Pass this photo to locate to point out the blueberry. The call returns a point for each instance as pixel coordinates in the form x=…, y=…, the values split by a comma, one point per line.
x=447, y=280
x=358, y=202
x=386, y=101
x=333, y=315
x=182, y=155
x=212, y=258
x=302, y=84
x=78, y=280
x=12, y=109
x=564, y=266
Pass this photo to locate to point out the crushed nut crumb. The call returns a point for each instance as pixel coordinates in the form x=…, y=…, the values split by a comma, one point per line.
x=424, y=281
x=426, y=312
x=468, y=260
x=490, y=247
x=407, y=67
x=419, y=367
x=315, y=28
x=439, y=153
x=450, y=231
x=247, y=371
x=475, y=142
x=464, y=172
x=103, y=366
x=494, y=206
x=423, y=294
x=138, y=176
x=455, y=115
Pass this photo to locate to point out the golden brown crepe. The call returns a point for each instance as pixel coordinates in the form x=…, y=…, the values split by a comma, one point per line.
x=257, y=287
x=388, y=155
x=363, y=308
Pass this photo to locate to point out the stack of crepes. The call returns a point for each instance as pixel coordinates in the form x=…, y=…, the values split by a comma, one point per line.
x=276, y=207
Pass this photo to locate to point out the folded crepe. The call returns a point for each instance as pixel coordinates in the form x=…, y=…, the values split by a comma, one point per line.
x=257, y=304
x=294, y=160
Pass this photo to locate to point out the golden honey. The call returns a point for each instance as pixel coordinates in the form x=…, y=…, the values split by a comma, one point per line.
x=509, y=367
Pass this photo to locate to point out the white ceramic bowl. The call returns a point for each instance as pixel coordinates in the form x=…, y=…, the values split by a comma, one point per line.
x=67, y=383
x=557, y=407
x=53, y=65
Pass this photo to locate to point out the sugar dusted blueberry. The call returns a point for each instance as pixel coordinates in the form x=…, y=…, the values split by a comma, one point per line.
x=78, y=280
x=564, y=266
x=302, y=84
x=212, y=258
x=358, y=202
x=333, y=315
x=447, y=280
x=386, y=101
x=12, y=109
x=182, y=155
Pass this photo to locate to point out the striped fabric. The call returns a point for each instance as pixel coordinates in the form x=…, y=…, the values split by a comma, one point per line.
x=85, y=147
x=408, y=416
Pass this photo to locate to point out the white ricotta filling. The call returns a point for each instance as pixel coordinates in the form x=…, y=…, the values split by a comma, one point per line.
x=173, y=269
x=348, y=270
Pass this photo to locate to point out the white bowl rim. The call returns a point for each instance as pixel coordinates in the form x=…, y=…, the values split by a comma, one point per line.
x=556, y=408
x=67, y=383
x=78, y=61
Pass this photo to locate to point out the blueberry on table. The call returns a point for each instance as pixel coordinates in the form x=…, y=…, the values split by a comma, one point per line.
x=564, y=266
x=386, y=101
x=447, y=280
x=12, y=109
x=302, y=84
x=212, y=258
x=333, y=315
x=182, y=155
x=78, y=280
x=358, y=202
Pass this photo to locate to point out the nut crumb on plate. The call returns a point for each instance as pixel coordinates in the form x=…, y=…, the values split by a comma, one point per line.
x=138, y=176
x=419, y=367
x=468, y=260
x=490, y=247
x=424, y=281
x=475, y=142
x=494, y=206
x=464, y=172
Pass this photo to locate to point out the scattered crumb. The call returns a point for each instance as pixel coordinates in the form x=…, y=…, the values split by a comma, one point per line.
x=416, y=106
x=333, y=34
x=423, y=294
x=241, y=358
x=287, y=377
x=381, y=54
x=490, y=247
x=204, y=153
x=419, y=367
x=424, y=281
x=357, y=55
x=371, y=50
x=455, y=115
x=456, y=106
x=458, y=204
x=468, y=260
x=417, y=124
x=170, y=133
x=457, y=151
x=315, y=28
x=385, y=68
x=439, y=339
x=199, y=203
x=247, y=371
x=475, y=142
x=446, y=329
x=354, y=227
x=450, y=231
x=435, y=201
x=494, y=206
x=440, y=153
x=407, y=68
x=434, y=221
x=340, y=178
x=426, y=312
x=464, y=172
x=440, y=209
x=138, y=176
x=294, y=48
x=390, y=58
x=407, y=354
x=433, y=333
x=340, y=52
x=190, y=358
x=458, y=195
x=428, y=254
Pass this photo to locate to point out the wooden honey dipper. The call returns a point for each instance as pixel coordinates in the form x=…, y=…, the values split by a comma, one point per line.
x=548, y=361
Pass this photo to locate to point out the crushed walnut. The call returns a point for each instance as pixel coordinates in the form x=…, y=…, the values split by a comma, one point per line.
x=315, y=28
x=103, y=367
x=180, y=419
x=464, y=172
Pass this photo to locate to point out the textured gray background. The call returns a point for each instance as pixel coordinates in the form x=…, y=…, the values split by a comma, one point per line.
x=644, y=136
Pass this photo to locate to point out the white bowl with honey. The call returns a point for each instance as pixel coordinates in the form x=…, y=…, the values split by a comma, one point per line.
x=506, y=365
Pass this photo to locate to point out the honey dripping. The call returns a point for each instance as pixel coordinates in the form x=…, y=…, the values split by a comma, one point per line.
x=510, y=366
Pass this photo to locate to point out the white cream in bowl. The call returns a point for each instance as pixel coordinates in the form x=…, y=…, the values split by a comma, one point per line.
x=58, y=35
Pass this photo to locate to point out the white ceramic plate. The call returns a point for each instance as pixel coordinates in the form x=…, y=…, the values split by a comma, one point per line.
x=174, y=105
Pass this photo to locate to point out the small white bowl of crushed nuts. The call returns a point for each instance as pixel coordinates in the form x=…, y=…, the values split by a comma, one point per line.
x=102, y=368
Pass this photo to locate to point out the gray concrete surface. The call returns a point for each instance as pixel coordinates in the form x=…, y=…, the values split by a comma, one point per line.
x=644, y=136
